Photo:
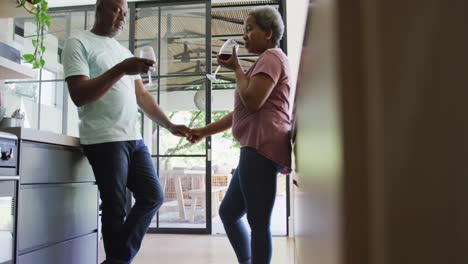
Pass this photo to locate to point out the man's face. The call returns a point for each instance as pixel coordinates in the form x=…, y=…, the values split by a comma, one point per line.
x=112, y=15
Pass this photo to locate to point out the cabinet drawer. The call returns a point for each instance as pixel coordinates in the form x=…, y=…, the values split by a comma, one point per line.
x=45, y=163
x=77, y=251
x=54, y=213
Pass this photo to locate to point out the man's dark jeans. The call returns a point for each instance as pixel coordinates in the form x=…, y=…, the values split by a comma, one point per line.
x=116, y=166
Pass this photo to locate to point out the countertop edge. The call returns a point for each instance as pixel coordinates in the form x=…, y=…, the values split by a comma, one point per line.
x=30, y=134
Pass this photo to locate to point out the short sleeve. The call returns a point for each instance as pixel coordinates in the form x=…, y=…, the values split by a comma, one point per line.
x=75, y=59
x=270, y=65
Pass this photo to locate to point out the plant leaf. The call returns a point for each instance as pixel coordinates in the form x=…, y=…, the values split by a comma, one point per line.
x=36, y=64
x=42, y=19
x=28, y=57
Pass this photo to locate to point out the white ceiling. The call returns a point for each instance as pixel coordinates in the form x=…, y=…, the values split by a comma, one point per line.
x=60, y=3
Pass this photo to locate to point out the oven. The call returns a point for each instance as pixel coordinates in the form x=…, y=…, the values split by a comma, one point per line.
x=9, y=182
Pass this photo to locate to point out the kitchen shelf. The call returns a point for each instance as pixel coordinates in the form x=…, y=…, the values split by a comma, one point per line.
x=12, y=70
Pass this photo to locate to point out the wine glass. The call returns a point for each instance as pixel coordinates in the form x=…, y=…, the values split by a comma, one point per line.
x=224, y=54
x=147, y=52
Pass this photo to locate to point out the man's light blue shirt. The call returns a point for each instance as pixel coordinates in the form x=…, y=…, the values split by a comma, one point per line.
x=114, y=116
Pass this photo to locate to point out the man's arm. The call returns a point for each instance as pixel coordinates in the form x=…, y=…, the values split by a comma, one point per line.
x=151, y=108
x=84, y=90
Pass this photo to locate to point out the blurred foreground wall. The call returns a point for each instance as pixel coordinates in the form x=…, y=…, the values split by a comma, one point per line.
x=382, y=148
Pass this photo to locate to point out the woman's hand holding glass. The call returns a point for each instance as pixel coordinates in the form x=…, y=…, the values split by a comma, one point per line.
x=231, y=62
x=225, y=53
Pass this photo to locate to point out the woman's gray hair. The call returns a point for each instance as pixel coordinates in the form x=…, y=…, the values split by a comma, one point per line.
x=268, y=17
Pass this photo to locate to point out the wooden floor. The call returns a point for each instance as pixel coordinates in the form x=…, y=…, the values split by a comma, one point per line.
x=200, y=249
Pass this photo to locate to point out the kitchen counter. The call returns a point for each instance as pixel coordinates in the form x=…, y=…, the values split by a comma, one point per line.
x=57, y=220
x=30, y=134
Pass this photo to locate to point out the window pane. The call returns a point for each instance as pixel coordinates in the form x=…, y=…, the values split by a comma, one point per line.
x=173, y=145
x=183, y=180
x=146, y=33
x=62, y=26
x=183, y=100
x=189, y=83
x=23, y=96
x=183, y=31
x=72, y=118
x=51, y=106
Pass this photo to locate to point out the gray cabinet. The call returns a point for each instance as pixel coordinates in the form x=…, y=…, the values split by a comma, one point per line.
x=76, y=251
x=57, y=201
x=50, y=214
x=45, y=163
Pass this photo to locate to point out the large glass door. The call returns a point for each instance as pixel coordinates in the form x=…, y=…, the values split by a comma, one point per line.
x=178, y=34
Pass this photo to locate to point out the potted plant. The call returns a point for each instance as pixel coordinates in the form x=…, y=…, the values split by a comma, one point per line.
x=42, y=18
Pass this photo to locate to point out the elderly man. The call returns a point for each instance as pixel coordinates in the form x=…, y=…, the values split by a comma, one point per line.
x=103, y=81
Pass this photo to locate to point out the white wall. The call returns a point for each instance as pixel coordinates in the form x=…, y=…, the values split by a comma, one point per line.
x=296, y=14
x=6, y=34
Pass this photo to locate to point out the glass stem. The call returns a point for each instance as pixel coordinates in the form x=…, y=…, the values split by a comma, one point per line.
x=216, y=71
x=149, y=77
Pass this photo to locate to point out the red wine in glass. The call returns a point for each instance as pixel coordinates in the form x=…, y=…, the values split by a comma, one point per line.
x=224, y=56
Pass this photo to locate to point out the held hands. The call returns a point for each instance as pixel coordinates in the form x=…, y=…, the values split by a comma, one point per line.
x=232, y=63
x=134, y=65
x=192, y=135
x=196, y=135
x=179, y=130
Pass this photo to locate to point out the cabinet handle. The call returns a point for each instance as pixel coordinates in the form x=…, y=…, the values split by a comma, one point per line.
x=9, y=178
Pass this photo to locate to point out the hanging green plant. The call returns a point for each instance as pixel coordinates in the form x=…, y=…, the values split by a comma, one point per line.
x=42, y=18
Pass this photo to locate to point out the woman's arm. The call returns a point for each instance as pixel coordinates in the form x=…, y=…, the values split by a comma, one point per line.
x=254, y=91
x=221, y=125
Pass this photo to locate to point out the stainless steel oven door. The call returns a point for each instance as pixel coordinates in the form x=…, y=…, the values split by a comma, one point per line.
x=8, y=199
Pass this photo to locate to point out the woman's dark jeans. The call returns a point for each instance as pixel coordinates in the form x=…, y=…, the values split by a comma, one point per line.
x=252, y=190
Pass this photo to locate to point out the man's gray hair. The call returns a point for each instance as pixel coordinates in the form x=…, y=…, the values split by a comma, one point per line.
x=267, y=18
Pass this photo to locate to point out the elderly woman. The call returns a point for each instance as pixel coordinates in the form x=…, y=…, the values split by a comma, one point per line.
x=261, y=123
